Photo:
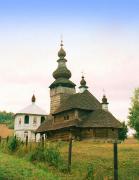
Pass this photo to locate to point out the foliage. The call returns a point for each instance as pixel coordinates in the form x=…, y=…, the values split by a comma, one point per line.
x=7, y=118
x=123, y=132
x=134, y=112
x=48, y=154
x=12, y=167
x=37, y=154
x=84, y=153
x=90, y=172
x=13, y=144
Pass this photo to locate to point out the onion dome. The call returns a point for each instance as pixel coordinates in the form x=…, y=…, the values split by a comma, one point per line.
x=61, y=52
x=83, y=86
x=33, y=99
x=62, y=71
x=62, y=74
x=104, y=100
x=83, y=82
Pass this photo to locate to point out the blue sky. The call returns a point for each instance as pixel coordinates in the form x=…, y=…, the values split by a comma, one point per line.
x=101, y=37
x=21, y=11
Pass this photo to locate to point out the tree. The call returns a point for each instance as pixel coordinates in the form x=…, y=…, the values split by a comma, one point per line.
x=7, y=118
x=134, y=112
x=123, y=132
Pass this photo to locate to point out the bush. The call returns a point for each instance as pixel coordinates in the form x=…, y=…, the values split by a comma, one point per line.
x=13, y=144
x=52, y=155
x=48, y=154
x=37, y=155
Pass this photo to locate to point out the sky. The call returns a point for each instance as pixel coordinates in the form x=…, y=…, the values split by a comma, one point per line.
x=101, y=38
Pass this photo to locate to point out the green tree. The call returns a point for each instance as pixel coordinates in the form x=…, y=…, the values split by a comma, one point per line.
x=7, y=118
x=134, y=112
x=123, y=132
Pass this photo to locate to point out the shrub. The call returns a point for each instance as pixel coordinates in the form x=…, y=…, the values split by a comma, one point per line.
x=13, y=144
x=37, y=154
x=49, y=154
x=52, y=155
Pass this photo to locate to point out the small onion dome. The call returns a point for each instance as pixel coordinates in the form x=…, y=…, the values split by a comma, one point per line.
x=83, y=86
x=33, y=98
x=61, y=52
x=104, y=100
x=83, y=82
x=62, y=72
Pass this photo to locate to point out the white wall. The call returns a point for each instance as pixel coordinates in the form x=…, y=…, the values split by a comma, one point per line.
x=20, y=129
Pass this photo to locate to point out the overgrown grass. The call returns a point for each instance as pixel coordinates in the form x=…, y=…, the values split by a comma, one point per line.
x=99, y=155
x=13, y=168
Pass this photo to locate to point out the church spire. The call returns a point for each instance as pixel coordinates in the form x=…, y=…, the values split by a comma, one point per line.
x=33, y=99
x=62, y=70
x=62, y=87
x=83, y=86
x=61, y=52
x=62, y=74
x=104, y=103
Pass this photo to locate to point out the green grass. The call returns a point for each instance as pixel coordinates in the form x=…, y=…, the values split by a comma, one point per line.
x=84, y=152
x=101, y=156
x=13, y=168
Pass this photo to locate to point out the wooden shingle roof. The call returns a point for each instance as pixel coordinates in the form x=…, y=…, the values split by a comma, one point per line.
x=95, y=116
x=83, y=100
x=100, y=118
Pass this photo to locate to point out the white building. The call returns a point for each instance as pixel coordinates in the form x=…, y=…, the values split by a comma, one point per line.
x=28, y=120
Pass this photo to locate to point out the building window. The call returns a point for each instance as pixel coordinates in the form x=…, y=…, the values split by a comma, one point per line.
x=66, y=117
x=19, y=121
x=35, y=120
x=26, y=120
x=42, y=119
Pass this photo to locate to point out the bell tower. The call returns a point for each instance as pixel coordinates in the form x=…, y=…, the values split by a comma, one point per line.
x=62, y=87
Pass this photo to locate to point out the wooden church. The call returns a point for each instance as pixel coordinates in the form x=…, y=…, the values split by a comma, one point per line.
x=79, y=115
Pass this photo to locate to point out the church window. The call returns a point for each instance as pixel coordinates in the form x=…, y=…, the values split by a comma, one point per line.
x=26, y=120
x=42, y=119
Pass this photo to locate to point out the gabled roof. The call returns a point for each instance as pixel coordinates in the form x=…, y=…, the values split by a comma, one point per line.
x=83, y=100
x=50, y=125
x=95, y=119
x=100, y=118
x=32, y=109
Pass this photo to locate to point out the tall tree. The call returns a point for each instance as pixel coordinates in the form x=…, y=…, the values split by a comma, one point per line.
x=134, y=112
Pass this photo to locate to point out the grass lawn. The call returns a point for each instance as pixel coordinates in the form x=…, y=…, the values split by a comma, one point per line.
x=13, y=168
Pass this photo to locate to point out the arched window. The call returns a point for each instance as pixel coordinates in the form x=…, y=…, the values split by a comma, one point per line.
x=42, y=119
x=26, y=120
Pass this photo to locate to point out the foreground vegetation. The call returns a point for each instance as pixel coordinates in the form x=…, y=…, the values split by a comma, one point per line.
x=88, y=157
x=13, y=168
